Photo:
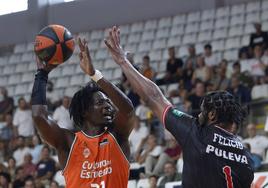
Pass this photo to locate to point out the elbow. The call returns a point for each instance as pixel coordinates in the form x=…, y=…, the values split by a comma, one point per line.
x=37, y=117
x=38, y=114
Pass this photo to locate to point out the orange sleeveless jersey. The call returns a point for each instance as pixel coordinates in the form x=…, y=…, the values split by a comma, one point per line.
x=96, y=162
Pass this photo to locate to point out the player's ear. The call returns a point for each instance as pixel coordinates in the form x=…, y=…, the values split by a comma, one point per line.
x=212, y=115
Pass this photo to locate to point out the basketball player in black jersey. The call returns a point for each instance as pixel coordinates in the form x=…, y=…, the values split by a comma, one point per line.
x=213, y=156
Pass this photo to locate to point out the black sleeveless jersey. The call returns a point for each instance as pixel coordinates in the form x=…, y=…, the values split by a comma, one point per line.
x=213, y=157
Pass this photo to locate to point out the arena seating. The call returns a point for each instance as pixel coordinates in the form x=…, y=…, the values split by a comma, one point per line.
x=226, y=28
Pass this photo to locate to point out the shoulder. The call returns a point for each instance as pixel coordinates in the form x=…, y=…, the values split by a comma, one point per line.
x=260, y=137
x=143, y=129
x=179, y=60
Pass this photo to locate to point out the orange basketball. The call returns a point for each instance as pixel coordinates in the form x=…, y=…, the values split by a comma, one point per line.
x=54, y=44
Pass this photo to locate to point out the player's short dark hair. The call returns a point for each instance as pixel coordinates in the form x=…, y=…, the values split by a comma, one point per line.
x=153, y=176
x=171, y=163
x=21, y=99
x=80, y=103
x=228, y=110
x=208, y=46
x=18, y=169
x=236, y=64
x=146, y=57
x=46, y=147
x=6, y=176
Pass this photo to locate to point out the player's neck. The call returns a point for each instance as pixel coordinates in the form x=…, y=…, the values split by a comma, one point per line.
x=91, y=130
x=227, y=128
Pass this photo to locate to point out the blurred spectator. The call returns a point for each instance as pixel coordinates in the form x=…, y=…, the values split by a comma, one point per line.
x=220, y=80
x=179, y=164
x=29, y=183
x=5, y=180
x=142, y=112
x=138, y=133
x=171, y=175
x=146, y=69
x=264, y=57
x=196, y=97
x=11, y=167
x=244, y=77
x=6, y=103
x=36, y=149
x=201, y=72
x=258, y=143
x=255, y=158
x=23, y=119
x=62, y=115
x=240, y=92
x=54, y=184
x=148, y=153
x=171, y=154
x=243, y=53
x=7, y=132
x=153, y=181
x=53, y=98
x=133, y=96
x=183, y=103
x=29, y=168
x=21, y=151
x=259, y=37
x=19, y=179
x=130, y=57
x=58, y=177
x=3, y=168
x=3, y=152
x=210, y=59
x=224, y=64
x=209, y=87
x=46, y=167
x=191, y=55
x=187, y=74
x=173, y=69
x=256, y=65
x=125, y=86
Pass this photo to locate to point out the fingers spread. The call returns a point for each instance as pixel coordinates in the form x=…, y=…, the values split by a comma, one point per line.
x=80, y=44
x=109, y=46
x=111, y=38
x=118, y=35
x=114, y=31
x=80, y=56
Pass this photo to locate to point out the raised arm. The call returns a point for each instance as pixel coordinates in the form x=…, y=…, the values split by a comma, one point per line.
x=46, y=126
x=147, y=90
x=124, y=118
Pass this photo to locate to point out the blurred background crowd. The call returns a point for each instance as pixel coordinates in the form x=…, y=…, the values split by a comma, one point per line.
x=26, y=161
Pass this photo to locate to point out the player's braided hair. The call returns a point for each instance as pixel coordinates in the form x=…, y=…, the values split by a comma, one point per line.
x=80, y=103
x=227, y=110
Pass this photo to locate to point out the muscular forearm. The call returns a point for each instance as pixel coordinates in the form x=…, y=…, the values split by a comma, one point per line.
x=45, y=125
x=118, y=97
x=39, y=110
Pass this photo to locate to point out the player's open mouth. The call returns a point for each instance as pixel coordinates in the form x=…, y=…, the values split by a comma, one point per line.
x=108, y=117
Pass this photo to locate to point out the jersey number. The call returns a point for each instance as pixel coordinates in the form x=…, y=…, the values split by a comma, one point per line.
x=228, y=176
x=95, y=185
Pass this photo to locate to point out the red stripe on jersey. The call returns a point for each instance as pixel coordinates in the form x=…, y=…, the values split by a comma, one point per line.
x=164, y=115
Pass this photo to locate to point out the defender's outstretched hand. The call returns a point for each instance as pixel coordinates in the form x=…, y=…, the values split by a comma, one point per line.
x=85, y=58
x=113, y=45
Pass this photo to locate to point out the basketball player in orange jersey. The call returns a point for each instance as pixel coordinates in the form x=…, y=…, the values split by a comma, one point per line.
x=96, y=156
